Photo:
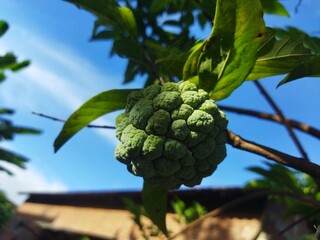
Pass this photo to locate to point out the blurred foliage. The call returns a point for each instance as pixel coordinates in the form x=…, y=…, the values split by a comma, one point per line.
x=184, y=215
x=7, y=129
x=84, y=238
x=278, y=177
x=138, y=212
x=187, y=214
x=6, y=210
x=9, y=60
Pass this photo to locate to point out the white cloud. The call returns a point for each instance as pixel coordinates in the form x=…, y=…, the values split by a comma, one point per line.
x=56, y=68
x=54, y=85
x=57, y=82
x=27, y=180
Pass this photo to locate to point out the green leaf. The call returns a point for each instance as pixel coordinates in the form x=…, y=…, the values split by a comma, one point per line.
x=3, y=27
x=155, y=204
x=311, y=42
x=2, y=76
x=119, y=18
x=131, y=71
x=278, y=57
x=207, y=9
x=158, y=6
x=13, y=158
x=6, y=111
x=127, y=49
x=190, y=68
x=231, y=50
x=20, y=130
x=277, y=177
x=274, y=7
x=103, y=35
x=169, y=60
x=7, y=60
x=19, y=65
x=6, y=170
x=310, y=68
x=97, y=106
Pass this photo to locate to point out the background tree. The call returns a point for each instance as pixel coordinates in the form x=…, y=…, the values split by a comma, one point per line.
x=8, y=130
x=240, y=48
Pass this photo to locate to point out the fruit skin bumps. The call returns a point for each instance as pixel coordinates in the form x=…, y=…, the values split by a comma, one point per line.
x=171, y=134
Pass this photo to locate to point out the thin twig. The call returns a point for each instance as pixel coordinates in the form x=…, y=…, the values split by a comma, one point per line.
x=298, y=221
x=275, y=118
x=244, y=199
x=296, y=9
x=242, y=144
x=283, y=119
x=61, y=120
x=299, y=164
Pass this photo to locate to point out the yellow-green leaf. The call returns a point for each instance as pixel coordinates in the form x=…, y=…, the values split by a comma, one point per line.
x=274, y=7
x=310, y=68
x=231, y=50
x=109, y=12
x=97, y=106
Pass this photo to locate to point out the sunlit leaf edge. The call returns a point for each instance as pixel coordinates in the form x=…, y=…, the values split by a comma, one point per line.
x=95, y=107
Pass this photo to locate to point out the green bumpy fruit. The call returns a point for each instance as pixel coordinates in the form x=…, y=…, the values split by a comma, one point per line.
x=171, y=135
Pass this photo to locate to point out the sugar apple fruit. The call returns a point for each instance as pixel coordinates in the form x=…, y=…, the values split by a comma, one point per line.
x=171, y=134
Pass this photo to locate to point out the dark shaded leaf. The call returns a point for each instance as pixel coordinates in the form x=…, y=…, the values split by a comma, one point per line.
x=2, y=76
x=7, y=60
x=13, y=158
x=131, y=71
x=155, y=204
x=104, y=35
x=6, y=170
x=6, y=111
x=97, y=106
x=310, y=68
x=231, y=50
x=3, y=27
x=207, y=9
x=20, y=130
x=168, y=60
x=127, y=49
x=158, y=6
x=19, y=65
x=172, y=23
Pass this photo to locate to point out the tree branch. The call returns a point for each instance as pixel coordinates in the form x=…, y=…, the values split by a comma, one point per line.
x=61, y=120
x=305, y=217
x=283, y=119
x=242, y=144
x=275, y=118
x=299, y=164
x=238, y=201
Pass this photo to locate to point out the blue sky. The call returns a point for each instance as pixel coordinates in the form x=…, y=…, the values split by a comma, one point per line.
x=67, y=69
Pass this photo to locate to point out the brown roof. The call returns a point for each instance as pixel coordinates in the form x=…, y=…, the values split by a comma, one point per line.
x=209, y=198
x=103, y=215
